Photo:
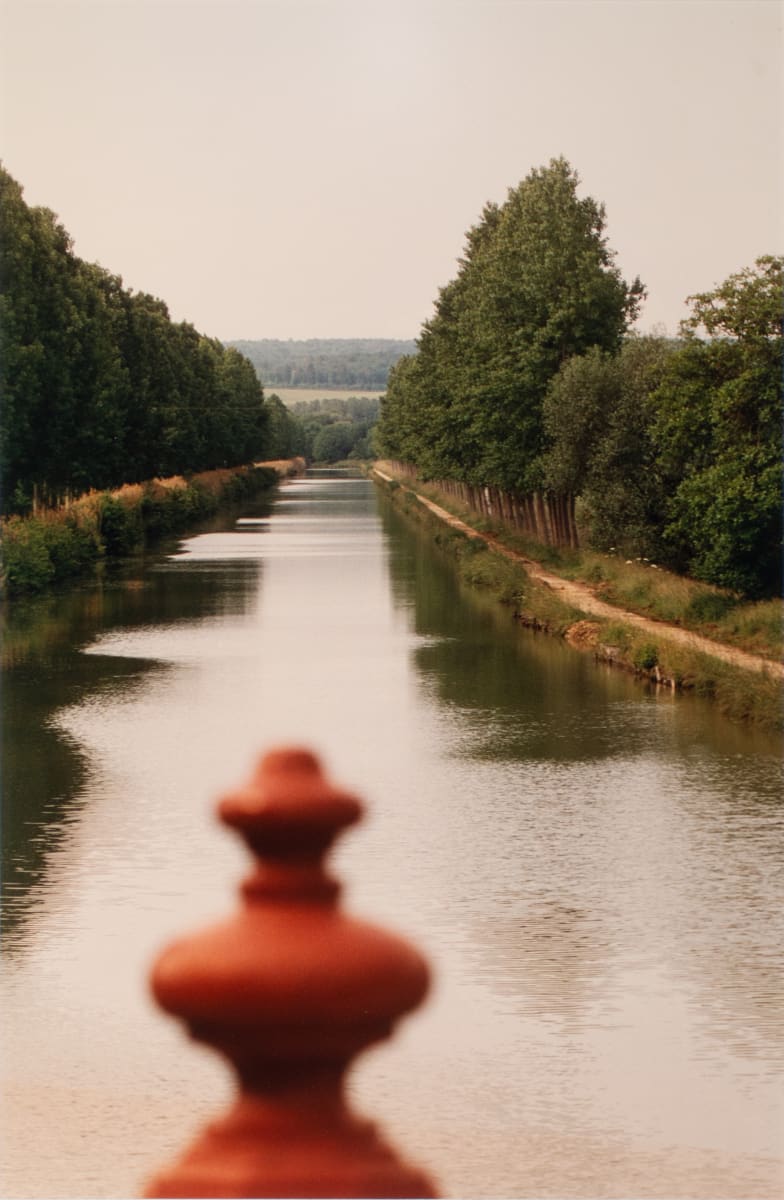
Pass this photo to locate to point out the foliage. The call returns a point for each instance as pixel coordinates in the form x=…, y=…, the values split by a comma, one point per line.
x=597, y=415
x=675, y=447
x=323, y=362
x=27, y=564
x=350, y=419
x=43, y=550
x=99, y=386
x=746, y=306
x=645, y=656
x=638, y=586
x=334, y=442
x=40, y=550
x=537, y=284
x=120, y=526
x=523, y=378
x=286, y=438
x=74, y=544
x=740, y=694
x=360, y=410
x=717, y=434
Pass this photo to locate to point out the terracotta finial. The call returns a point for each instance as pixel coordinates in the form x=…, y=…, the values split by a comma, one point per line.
x=290, y=990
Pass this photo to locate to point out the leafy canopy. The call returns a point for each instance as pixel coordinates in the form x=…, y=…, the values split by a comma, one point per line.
x=99, y=386
x=717, y=432
x=537, y=284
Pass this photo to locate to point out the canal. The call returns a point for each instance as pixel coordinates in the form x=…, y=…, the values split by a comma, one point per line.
x=593, y=869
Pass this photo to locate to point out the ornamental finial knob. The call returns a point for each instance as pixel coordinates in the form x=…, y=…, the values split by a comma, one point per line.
x=290, y=990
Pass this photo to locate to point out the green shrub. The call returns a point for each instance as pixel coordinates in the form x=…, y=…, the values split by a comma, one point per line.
x=38, y=551
x=73, y=545
x=27, y=565
x=156, y=514
x=120, y=526
x=645, y=656
x=238, y=487
x=182, y=506
x=194, y=503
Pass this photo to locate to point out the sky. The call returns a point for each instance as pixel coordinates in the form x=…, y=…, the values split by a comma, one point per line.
x=309, y=168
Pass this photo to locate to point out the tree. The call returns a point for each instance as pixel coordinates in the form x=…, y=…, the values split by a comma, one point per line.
x=100, y=387
x=286, y=435
x=44, y=330
x=537, y=285
x=717, y=433
x=597, y=415
x=21, y=346
x=747, y=306
x=334, y=442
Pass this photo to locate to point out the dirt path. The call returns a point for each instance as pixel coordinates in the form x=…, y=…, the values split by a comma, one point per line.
x=581, y=596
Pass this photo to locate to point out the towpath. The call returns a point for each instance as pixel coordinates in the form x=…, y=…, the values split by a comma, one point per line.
x=580, y=595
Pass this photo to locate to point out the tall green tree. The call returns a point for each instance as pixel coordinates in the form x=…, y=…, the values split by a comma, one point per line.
x=241, y=421
x=22, y=348
x=286, y=435
x=545, y=287
x=537, y=285
x=46, y=303
x=99, y=386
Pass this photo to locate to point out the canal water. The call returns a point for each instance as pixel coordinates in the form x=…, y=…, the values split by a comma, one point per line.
x=593, y=869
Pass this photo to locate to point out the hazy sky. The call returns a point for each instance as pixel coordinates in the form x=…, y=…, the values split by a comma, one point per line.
x=285, y=168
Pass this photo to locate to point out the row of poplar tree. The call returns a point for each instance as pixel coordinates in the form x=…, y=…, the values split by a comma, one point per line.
x=99, y=386
x=527, y=378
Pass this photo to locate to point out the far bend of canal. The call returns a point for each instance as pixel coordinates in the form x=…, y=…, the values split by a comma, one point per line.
x=593, y=869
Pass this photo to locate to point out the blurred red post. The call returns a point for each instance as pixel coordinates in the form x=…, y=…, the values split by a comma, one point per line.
x=290, y=990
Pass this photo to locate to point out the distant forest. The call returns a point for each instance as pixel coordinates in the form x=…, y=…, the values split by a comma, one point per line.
x=354, y=363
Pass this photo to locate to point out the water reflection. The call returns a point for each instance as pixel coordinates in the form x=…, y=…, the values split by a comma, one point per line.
x=592, y=868
x=524, y=695
x=44, y=769
x=516, y=695
x=615, y=880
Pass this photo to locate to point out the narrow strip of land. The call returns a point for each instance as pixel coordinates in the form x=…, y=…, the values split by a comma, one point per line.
x=581, y=596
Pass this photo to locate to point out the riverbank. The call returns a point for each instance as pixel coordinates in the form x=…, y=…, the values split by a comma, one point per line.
x=43, y=550
x=746, y=685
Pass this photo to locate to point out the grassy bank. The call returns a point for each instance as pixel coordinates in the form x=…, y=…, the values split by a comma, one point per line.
x=43, y=550
x=637, y=587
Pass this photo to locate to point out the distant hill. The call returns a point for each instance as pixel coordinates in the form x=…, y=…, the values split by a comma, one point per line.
x=348, y=363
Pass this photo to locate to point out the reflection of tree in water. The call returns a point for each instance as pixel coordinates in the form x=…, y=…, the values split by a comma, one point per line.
x=681, y=799
x=44, y=671
x=520, y=695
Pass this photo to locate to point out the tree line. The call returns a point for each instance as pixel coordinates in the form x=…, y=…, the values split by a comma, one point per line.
x=100, y=387
x=327, y=430
x=356, y=363
x=528, y=378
